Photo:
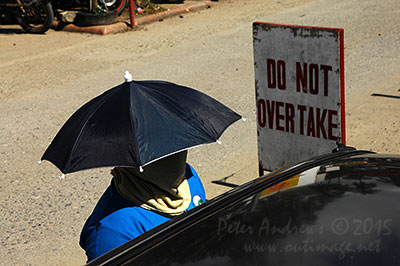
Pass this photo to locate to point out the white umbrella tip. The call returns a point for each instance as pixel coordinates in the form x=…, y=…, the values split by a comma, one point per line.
x=128, y=76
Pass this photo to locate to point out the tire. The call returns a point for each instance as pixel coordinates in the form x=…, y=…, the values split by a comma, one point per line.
x=37, y=18
x=117, y=5
x=90, y=19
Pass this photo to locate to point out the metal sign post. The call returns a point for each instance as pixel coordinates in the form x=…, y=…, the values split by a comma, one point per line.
x=132, y=13
x=299, y=80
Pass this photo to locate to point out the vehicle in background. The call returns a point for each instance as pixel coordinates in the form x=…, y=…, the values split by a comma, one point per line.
x=91, y=12
x=88, y=6
x=34, y=16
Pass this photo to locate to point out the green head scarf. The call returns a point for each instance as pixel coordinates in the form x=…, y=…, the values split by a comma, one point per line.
x=161, y=187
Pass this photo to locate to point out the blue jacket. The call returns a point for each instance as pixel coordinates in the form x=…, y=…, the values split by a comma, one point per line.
x=115, y=220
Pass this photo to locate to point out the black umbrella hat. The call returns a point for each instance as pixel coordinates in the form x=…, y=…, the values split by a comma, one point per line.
x=136, y=123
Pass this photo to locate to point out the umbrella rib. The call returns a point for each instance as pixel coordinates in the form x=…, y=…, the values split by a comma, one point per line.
x=188, y=111
x=200, y=126
x=161, y=157
x=84, y=125
x=132, y=124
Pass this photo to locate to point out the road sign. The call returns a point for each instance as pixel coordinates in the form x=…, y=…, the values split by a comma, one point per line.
x=299, y=80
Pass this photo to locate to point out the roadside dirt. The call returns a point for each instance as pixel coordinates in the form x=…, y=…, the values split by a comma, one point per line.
x=45, y=78
x=156, y=8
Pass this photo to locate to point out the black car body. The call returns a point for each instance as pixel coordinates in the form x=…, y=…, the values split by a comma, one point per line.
x=338, y=209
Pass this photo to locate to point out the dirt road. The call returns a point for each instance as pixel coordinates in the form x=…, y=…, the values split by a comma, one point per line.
x=44, y=79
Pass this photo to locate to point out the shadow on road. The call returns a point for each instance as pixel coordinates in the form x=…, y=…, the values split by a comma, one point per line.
x=385, y=95
x=12, y=31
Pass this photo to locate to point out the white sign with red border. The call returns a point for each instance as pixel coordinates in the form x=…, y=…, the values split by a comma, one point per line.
x=299, y=80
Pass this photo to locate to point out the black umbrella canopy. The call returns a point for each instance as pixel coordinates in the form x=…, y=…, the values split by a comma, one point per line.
x=136, y=123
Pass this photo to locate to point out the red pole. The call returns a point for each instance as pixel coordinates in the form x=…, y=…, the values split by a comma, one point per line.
x=132, y=13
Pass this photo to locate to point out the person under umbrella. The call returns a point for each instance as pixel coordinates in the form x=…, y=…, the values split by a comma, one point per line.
x=136, y=202
x=145, y=129
x=136, y=123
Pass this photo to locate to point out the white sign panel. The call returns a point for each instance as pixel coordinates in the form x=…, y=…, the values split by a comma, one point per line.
x=299, y=78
